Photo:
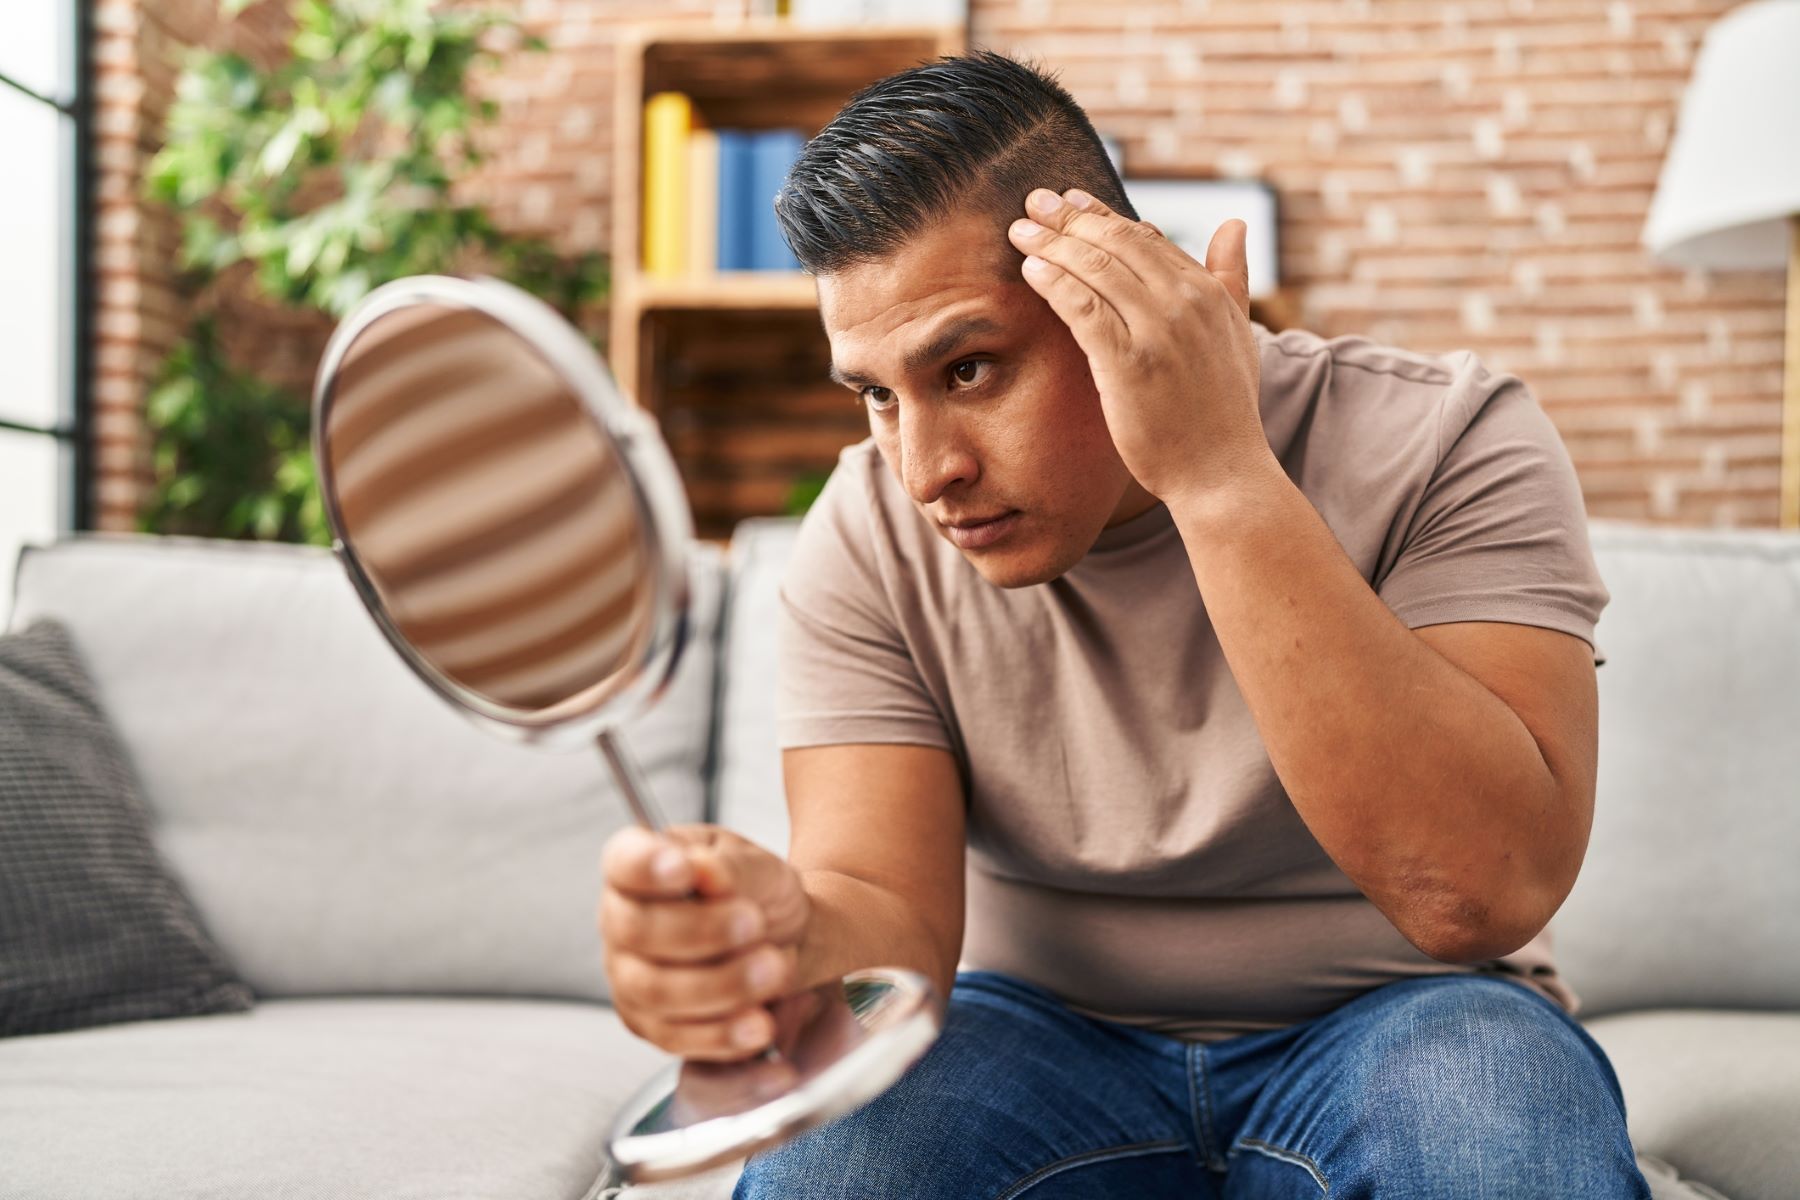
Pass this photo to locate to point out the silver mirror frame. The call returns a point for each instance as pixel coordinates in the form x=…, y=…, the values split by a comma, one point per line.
x=868, y=1070
x=665, y=524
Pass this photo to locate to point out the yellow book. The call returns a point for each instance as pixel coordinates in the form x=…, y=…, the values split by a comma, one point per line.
x=703, y=201
x=668, y=116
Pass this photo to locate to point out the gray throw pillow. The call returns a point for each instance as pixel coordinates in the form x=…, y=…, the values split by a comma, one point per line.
x=92, y=928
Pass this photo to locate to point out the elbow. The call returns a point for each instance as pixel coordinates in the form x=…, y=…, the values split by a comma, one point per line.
x=1477, y=929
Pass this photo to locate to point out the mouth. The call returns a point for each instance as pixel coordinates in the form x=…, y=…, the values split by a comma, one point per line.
x=975, y=533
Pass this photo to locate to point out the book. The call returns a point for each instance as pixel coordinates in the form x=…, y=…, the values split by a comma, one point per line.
x=668, y=119
x=703, y=201
x=772, y=153
x=734, y=203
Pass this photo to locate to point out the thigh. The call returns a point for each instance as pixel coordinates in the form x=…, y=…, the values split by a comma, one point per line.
x=1019, y=1099
x=1457, y=1085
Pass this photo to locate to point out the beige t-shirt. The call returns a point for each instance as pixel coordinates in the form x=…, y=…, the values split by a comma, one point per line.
x=1130, y=847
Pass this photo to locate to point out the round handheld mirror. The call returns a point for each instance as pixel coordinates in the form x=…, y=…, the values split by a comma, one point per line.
x=519, y=533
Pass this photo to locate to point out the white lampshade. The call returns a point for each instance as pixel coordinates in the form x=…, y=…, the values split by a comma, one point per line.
x=1732, y=176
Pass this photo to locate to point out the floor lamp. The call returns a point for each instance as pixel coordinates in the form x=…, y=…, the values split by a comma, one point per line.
x=1729, y=194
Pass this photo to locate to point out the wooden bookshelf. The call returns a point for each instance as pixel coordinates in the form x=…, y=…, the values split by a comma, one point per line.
x=730, y=289
x=733, y=363
x=757, y=75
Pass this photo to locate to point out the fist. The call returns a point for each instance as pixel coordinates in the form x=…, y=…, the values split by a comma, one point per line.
x=701, y=929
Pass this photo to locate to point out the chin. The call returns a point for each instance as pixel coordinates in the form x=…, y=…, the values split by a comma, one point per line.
x=1019, y=566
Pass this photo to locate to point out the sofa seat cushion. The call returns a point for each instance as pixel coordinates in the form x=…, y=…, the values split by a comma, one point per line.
x=334, y=1099
x=1716, y=1093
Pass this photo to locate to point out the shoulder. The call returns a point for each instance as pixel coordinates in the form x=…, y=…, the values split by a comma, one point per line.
x=1360, y=390
x=1300, y=349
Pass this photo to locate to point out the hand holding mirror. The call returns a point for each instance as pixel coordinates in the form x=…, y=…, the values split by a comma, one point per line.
x=519, y=533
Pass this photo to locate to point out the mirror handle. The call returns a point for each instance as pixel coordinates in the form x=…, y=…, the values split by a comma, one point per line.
x=631, y=782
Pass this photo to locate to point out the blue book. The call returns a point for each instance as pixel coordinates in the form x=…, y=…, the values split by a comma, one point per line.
x=772, y=153
x=735, y=205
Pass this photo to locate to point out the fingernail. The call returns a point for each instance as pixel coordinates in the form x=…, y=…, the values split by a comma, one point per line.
x=1078, y=198
x=747, y=1030
x=1043, y=201
x=1026, y=229
x=745, y=925
x=765, y=969
x=1033, y=265
x=667, y=865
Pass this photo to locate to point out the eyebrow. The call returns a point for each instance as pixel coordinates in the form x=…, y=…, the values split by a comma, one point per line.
x=947, y=339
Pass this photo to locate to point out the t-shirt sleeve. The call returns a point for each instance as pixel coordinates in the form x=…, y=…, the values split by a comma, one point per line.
x=1501, y=531
x=845, y=672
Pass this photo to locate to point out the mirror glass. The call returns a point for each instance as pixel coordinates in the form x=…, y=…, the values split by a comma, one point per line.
x=489, y=511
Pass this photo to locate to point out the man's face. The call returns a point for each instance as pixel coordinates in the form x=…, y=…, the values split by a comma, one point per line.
x=979, y=400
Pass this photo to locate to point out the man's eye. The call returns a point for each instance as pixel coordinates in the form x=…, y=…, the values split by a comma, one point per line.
x=877, y=398
x=970, y=371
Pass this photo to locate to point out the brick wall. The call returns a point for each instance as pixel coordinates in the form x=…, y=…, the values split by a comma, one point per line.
x=140, y=313
x=1452, y=175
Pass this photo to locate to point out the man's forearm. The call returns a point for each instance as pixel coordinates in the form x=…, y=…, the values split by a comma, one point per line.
x=856, y=924
x=1422, y=785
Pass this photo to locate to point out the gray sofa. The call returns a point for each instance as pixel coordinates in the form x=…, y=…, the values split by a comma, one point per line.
x=412, y=900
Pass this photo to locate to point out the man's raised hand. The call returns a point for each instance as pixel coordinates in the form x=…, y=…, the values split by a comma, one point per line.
x=1168, y=340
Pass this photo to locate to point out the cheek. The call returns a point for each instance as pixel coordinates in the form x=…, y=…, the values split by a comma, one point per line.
x=1068, y=428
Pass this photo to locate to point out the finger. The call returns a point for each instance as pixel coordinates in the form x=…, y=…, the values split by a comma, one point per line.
x=726, y=1039
x=1137, y=244
x=1110, y=279
x=717, y=871
x=1097, y=326
x=699, y=991
x=1228, y=262
x=678, y=931
x=1097, y=226
x=641, y=864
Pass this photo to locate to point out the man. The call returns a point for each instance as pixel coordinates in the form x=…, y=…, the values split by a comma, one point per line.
x=1239, y=686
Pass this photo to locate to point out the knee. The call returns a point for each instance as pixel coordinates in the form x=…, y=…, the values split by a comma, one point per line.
x=924, y=1137
x=1487, y=1054
x=907, y=1144
x=1482, y=1082
x=844, y=1159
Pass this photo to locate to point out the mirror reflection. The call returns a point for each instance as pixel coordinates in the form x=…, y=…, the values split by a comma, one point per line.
x=490, y=512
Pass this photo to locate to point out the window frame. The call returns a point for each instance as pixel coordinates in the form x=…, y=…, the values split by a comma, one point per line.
x=73, y=434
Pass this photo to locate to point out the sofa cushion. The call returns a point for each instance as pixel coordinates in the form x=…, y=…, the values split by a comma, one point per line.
x=92, y=928
x=1715, y=1093
x=381, y=1098
x=1687, y=895
x=338, y=826
x=749, y=797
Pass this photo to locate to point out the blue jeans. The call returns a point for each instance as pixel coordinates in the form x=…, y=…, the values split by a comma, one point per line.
x=1459, y=1086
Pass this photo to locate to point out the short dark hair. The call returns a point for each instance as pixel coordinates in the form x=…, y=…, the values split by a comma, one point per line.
x=975, y=131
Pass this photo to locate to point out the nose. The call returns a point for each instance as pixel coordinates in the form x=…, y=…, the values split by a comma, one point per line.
x=935, y=452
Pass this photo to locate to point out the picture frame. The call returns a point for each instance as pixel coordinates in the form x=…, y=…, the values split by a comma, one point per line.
x=1189, y=212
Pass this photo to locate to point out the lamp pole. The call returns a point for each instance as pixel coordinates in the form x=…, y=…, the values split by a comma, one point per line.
x=1790, y=387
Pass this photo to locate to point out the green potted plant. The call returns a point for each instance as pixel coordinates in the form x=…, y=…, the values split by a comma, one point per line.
x=312, y=181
